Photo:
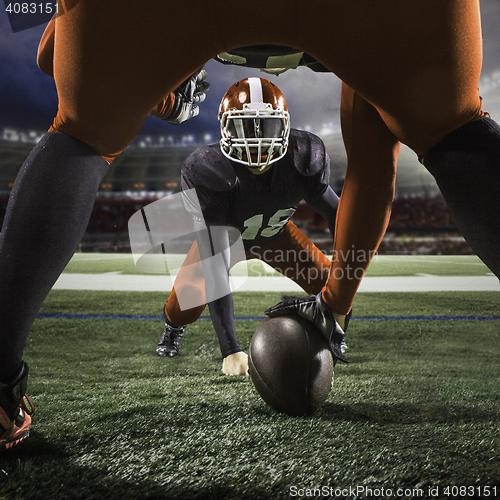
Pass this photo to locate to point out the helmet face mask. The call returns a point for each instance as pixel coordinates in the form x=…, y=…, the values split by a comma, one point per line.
x=254, y=132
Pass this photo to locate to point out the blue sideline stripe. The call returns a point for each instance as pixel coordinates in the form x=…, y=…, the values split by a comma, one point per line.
x=260, y=318
x=431, y=318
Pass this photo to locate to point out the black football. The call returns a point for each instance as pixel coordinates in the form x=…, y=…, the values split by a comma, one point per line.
x=290, y=365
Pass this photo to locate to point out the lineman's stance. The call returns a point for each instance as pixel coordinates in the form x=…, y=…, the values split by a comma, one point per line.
x=253, y=181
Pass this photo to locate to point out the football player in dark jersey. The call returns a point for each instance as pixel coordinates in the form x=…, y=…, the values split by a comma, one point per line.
x=253, y=181
x=411, y=70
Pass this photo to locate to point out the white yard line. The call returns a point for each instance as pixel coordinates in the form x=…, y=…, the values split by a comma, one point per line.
x=156, y=283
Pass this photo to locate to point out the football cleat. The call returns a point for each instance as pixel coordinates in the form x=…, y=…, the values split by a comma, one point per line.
x=343, y=347
x=15, y=410
x=170, y=340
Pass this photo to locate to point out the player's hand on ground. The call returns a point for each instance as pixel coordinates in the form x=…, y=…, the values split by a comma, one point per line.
x=235, y=364
x=187, y=95
x=313, y=309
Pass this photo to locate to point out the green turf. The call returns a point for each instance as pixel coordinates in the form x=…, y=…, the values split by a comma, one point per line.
x=418, y=407
x=382, y=265
x=438, y=265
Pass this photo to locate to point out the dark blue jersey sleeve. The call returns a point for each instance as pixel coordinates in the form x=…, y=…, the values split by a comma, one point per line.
x=311, y=161
x=216, y=241
x=211, y=175
x=326, y=205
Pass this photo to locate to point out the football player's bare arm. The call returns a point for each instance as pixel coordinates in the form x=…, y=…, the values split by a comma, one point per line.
x=326, y=205
x=372, y=153
x=214, y=241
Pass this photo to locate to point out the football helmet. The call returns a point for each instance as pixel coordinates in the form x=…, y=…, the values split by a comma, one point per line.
x=255, y=124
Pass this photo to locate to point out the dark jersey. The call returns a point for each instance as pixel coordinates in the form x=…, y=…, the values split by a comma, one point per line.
x=257, y=205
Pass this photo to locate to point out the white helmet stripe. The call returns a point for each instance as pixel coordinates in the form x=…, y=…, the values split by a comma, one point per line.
x=256, y=94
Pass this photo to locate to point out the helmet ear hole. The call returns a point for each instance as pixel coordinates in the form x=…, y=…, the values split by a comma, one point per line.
x=254, y=122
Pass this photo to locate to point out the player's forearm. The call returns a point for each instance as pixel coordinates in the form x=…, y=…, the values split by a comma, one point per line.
x=363, y=216
x=222, y=314
x=213, y=241
x=365, y=205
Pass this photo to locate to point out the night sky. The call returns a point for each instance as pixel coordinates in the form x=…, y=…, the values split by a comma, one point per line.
x=28, y=98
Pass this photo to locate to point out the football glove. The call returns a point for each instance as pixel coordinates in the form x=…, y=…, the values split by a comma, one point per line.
x=313, y=309
x=187, y=95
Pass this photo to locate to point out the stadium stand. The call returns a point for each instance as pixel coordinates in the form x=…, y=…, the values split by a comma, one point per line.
x=149, y=170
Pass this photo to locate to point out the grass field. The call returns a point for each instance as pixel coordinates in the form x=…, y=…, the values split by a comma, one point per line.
x=416, y=414
x=382, y=265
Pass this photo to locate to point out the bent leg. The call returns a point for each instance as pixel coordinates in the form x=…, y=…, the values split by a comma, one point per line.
x=466, y=166
x=189, y=282
x=418, y=64
x=113, y=62
x=422, y=76
x=295, y=256
x=43, y=225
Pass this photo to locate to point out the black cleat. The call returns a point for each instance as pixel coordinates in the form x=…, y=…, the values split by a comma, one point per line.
x=170, y=340
x=15, y=410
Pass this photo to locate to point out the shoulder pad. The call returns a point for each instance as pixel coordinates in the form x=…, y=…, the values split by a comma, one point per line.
x=208, y=168
x=309, y=153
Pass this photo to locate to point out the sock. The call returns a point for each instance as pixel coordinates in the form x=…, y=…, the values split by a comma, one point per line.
x=47, y=215
x=466, y=166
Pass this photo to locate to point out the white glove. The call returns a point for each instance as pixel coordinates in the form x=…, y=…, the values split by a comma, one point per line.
x=187, y=95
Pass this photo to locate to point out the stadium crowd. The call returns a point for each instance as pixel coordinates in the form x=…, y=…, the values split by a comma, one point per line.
x=421, y=212
x=420, y=224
